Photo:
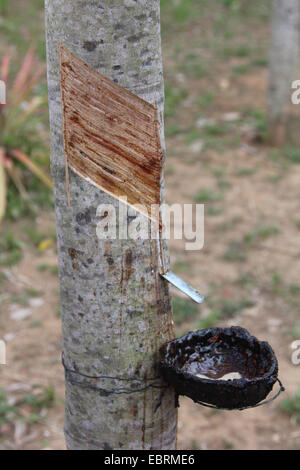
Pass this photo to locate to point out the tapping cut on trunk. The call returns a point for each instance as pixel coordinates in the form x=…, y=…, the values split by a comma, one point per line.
x=111, y=136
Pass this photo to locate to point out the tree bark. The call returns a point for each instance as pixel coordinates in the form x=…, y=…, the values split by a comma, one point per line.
x=115, y=306
x=284, y=67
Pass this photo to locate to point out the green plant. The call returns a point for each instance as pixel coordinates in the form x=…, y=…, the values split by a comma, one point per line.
x=295, y=331
x=3, y=6
x=291, y=406
x=276, y=283
x=292, y=154
x=223, y=183
x=19, y=128
x=245, y=171
x=192, y=67
x=181, y=266
x=206, y=101
x=235, y=251
x=230, y=308
x=228, y=445
x=207, y=195
x=24, y=297
x=230, y=3
x=229, y=224
x=44, y=400
x=260, y=62
x=8, y=412
x=48, y=267
x=261, y=232
x=10, y=249
x=172, y=129
x=173, y=97
x=184, y=309
x=33, y=235
x=246, y=279
x=294, y=289
x=214, y=210
x=215, y=129
x=3, y=277
x=180, y=10
x=240, y=69
x=258, y=118
x=210, y=320
x=218, y=172
x=236, y=51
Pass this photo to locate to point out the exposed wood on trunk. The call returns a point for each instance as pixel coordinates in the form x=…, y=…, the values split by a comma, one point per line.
x=110, y=134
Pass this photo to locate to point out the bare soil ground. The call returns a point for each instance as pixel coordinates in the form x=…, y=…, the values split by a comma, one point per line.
x=249, y=267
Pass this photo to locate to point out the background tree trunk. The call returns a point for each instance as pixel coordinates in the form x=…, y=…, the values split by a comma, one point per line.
x=115, y=307
x=284, y=61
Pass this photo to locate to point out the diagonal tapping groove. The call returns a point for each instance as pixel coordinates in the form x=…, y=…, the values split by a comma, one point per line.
x=111, y=139
x=110, y=134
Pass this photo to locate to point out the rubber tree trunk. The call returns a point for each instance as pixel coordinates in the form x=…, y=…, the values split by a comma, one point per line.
x=115, y=307
x=284, y=117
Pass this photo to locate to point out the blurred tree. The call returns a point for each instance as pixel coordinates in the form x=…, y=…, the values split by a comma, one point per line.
x=115, y=306
x=284, y=117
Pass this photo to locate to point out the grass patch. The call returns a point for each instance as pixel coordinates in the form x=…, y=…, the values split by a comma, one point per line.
x=229, y=224
x=23, y=299
x=210, y=321
x=224, y=308
x=292, y=154
x=213, y=211
x=184, y=310
x=235, y=251
x=33, y=235
x=193, y=68
x=207, y=195
x=261, y=232
x=279, y=160
x=173, y=97
x=275, y=178
x=236, y=51
x=294, y=289
x=10, y=249
x=218, y=172
x=258, y=119
x=172, y=129
x=176, y=13
x=3, y=277
x=260, y=62
x=240, y=69
x=291, y=406
x=246, y=279
x=181, y=266
x=215, y=129
x=10, y=413
x=37, y=238
x=295, y=331
x=245, y=171
x=3, y=7
x=223, y=183
x=40, y=197
x=230, y=308
x=207, y=100
x=44, y=267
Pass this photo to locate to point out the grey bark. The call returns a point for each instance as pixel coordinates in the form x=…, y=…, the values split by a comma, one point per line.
x=115, y=307
x=284, y=68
